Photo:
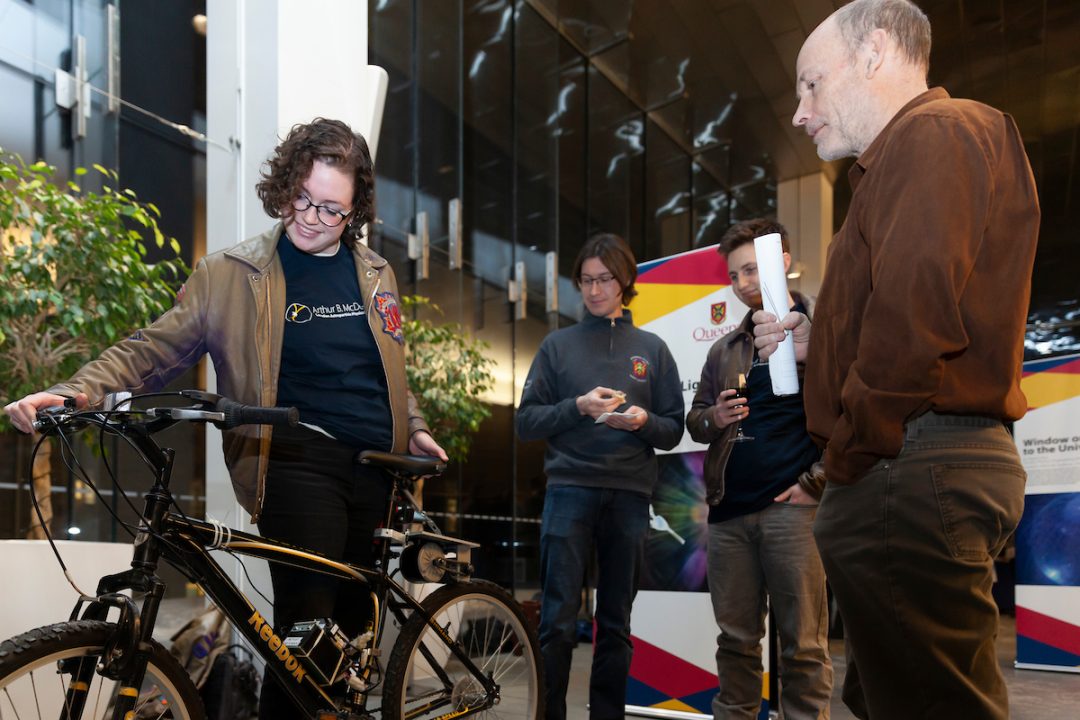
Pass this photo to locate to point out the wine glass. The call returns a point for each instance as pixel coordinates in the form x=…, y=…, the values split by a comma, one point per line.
x=738, y=384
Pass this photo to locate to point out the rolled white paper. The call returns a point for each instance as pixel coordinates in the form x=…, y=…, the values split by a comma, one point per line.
x=774, y=297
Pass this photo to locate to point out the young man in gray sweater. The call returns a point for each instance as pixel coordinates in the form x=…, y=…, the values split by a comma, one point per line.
x=604, y=394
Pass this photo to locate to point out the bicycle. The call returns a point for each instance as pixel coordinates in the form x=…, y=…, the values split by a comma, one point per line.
x=466, y=649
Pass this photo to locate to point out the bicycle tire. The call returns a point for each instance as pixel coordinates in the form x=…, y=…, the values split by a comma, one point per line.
x=33, y=684
x=493, y=631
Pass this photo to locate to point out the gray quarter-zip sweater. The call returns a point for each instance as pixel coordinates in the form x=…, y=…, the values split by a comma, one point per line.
x=612, y=353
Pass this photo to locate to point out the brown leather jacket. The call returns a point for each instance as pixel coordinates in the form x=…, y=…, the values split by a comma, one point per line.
x=232, y=307
x=728, y=356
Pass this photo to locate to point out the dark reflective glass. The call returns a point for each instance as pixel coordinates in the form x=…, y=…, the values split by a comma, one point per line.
x=616, y=163
x=667, y=195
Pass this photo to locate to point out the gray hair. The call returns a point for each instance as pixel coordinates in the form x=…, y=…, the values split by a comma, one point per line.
x=901, y=19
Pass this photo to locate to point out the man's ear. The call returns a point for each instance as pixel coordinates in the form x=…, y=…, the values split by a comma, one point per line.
x=787, y=262
x=873, y=51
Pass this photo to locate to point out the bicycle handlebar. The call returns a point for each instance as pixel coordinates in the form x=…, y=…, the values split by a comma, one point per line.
x=221, y=411
x=239, y=414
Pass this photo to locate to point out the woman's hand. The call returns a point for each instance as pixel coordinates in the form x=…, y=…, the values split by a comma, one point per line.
x=24, y=412
x=422, y=443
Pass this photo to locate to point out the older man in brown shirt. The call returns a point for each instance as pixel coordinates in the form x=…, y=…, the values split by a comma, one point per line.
x=915, y=362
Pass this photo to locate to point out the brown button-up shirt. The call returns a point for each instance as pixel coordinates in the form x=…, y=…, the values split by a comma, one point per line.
x=925, y=295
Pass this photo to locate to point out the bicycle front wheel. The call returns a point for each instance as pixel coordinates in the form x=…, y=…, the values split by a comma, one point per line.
x=425, y=680
x=50, y=672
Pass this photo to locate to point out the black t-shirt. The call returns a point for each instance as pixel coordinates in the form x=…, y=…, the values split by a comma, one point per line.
x=762, y=468
x=331, y=368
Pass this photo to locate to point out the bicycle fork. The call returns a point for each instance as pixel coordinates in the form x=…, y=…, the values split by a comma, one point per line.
x=125, y=656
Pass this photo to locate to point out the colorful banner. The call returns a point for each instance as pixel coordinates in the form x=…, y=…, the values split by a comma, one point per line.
x=1048, y=539
x=687, y=300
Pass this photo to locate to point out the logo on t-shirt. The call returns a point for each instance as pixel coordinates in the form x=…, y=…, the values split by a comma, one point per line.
x=719, y=312
x=639, y=368
x=390, y=312
x=298, y=313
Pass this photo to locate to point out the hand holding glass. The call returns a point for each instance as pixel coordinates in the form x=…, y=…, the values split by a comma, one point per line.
x=738, y=384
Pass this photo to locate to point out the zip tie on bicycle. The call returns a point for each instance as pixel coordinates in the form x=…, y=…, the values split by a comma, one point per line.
x=222, y=534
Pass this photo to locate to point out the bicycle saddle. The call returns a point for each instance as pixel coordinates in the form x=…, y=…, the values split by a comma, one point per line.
x=416, y=465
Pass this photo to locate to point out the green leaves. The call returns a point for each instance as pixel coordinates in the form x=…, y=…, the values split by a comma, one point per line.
x=449, y=374
x=72, y=275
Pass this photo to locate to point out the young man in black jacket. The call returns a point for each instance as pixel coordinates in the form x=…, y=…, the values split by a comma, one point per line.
x=604, y=394
x=762, y=500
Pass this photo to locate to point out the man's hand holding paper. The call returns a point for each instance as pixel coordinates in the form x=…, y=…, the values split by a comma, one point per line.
x=769, y=333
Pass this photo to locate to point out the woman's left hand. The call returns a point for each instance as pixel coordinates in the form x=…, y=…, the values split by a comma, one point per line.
x=421, y=443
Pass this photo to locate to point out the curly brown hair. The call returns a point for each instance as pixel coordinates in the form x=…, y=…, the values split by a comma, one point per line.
x=334, y=143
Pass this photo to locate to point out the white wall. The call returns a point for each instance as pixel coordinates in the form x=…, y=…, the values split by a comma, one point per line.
x=272, y=64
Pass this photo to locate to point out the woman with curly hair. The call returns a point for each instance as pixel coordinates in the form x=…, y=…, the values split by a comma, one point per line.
x=303, y=315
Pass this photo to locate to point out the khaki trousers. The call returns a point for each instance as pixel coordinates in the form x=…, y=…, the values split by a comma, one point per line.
x=908, y=551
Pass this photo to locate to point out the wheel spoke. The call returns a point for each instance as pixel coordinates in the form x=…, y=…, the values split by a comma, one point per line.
x=491, y=633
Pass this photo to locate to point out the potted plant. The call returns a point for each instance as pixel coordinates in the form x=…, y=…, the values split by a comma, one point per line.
x=449, y=373
x=73, y=279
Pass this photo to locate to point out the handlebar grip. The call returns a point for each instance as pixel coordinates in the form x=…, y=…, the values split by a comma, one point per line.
x=240, y=414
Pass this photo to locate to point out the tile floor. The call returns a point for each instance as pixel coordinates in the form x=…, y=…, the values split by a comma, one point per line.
x=1033, y=695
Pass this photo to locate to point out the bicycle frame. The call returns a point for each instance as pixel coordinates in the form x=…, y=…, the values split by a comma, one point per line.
x=186, y=544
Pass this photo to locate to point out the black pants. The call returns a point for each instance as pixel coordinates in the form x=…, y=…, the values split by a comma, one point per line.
x=318, y=498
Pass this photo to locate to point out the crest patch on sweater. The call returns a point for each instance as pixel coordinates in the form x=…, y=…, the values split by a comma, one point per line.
x=639, y=368
x=390, y=312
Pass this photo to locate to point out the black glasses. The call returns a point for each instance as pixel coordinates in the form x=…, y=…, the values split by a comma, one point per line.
x=327, y=216
x=587, y=282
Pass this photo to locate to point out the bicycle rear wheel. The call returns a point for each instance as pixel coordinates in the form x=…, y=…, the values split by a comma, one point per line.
x=424, y=680
x=37, y=670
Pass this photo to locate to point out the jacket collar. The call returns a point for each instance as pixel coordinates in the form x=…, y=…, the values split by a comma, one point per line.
x=626, y=318
x=259, y=251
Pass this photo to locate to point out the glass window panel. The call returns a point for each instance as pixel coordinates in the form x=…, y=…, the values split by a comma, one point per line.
x=537, y=123
x=438, y=117
x=667, y=196
x=390, y=44
x=616, y=163
x=710, y=207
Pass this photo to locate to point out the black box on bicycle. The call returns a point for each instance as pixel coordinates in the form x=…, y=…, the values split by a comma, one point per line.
x=320, y=646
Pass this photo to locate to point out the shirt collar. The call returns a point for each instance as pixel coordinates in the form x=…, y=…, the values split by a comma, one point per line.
x=870, y=154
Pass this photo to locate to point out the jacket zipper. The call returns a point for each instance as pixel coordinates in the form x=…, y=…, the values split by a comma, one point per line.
x=611, y=339
x=260, y=488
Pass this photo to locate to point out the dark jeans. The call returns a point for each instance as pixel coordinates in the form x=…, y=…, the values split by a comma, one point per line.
x=908, y=551
x=318, y=498
x=577, y=522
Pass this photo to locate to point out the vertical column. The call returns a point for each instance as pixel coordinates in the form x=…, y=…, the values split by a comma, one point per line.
x=805, y=208
x=272, y=64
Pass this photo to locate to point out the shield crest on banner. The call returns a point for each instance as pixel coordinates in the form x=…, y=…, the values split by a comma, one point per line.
x=719, y=312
